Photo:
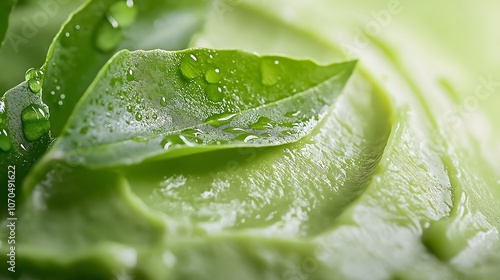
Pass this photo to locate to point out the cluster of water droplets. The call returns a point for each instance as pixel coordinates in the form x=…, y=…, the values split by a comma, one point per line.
x=194, y=66
x=202, y=68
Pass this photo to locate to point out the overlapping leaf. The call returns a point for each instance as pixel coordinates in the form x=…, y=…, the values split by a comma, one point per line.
x=159, y=104
x=92, y=34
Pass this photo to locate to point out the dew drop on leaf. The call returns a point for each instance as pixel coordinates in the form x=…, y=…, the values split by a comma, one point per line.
x=210, y=59
x=35, y=85
x=130, y=75
x=138, y=117
x=122, y=13
x=171, y=140
x=190, y=67
x=130, y=108
x=35, y=122
x=212, y=75
x=5, y=142
x=269, y=71
x=108, y=36
x=292, y=114
x=66, y=39
x=163, y=101
x=192, y=132
x=263, y=123
x=220, y=119
x=30, y=74
x=246, y=137
x=214, y=93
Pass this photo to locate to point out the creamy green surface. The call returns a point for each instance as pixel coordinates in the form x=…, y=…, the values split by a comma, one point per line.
x=385, y=186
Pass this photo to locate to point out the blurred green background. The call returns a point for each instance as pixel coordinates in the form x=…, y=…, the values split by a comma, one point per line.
x=462, y=34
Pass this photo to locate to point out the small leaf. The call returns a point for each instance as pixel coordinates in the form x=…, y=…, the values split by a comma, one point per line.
x=5, y=9
x=92, y=35
x=159, y=111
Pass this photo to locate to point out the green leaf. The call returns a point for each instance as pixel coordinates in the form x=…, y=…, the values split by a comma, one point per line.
x=92, y=34
x=159, y=104
x=241, y=206
x=5, y=9
x=24, y=134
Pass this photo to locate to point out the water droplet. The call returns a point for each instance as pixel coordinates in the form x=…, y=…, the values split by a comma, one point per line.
x=192, y=132
x=154, y=116
x=68, y=38
x=122, y=14
x=210, y=59
x=5, y=141
x=263, y=123
x=130, y=108
x=163, y=101
x=107, y=36
x=188, y=137
x=30, y=74
x=171, y=140
x=138, y=117
x=269, y=71
x=34, y=77
x=214, y=93
x=220, y=119
x=35, y=120
x=189, y=67
x=213, y=75
x=130, y=75
x=110, y=106
x=234, y=130
x=35, y=85
x=293, y=114
x=247, y=137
